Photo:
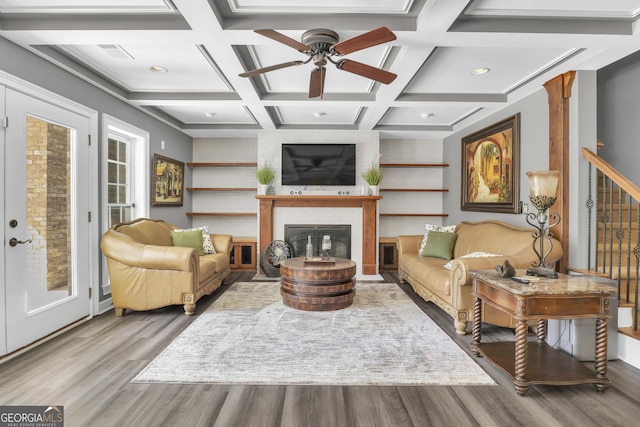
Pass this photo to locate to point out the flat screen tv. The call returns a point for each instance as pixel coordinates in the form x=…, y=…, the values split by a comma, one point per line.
x=318, y=164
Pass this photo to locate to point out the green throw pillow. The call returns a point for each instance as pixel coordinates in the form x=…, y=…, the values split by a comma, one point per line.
x=188, y=239
x=429, y=227
x=207, y=243
x=440, y=245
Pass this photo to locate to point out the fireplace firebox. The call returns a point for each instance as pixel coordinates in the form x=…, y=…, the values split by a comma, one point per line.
x=296, y=235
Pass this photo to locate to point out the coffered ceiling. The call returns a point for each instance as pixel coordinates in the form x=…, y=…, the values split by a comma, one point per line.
x=203, y=46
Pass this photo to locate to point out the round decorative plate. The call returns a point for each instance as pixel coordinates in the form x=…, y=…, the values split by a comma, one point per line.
x=275, y=252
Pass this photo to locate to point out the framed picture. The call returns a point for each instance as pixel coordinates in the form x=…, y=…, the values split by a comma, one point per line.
x=167, y=181
x=491, y=168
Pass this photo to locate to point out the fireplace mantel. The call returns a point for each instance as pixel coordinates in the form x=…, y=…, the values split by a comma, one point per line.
x=369, y=219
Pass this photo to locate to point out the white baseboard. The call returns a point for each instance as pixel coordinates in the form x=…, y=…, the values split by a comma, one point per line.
x=629, y=350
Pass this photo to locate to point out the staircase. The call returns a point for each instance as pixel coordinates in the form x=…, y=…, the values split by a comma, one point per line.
x=616, y=253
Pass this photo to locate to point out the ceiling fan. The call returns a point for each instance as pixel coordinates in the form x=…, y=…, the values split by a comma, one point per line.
x=321, y=45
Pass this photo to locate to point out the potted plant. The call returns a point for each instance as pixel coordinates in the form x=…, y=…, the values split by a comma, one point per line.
x=265, y=175
x=373, y=176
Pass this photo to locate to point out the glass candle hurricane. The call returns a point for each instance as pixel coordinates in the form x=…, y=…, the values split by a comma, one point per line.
x=544, y=188
x=326, y=246
x=544, y=191
x=326, y=243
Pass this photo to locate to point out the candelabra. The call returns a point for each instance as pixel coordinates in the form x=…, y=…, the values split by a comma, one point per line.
x=544, y=188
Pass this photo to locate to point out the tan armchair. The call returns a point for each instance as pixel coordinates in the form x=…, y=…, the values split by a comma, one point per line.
x=146, y=271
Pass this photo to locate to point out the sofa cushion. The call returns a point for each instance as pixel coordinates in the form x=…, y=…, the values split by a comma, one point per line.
x=440, y=245
x=188, y=239
x=428, y=228
x=212, y=263
x=428, y=270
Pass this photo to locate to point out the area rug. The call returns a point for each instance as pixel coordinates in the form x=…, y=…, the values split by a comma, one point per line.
x=248, y=336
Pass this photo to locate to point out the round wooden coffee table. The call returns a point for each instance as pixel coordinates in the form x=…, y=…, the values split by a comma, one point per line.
x=317, y=286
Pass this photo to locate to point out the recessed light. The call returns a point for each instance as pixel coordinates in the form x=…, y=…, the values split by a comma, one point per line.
x=480, y=71
x=319, y=114
x=427, y=115
x=209, y=114
x=158, y=69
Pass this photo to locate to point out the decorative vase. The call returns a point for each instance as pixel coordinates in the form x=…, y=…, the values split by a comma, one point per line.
x=374, y=190
x=309, y=248
x=263, y=189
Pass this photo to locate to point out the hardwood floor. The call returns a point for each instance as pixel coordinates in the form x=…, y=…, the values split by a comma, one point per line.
x=88, y=371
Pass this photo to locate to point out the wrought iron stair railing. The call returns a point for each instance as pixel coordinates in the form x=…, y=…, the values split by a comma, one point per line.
x=616, y=213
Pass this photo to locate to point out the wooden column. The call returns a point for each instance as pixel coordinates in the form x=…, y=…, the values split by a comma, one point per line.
x=559, y=92
x=369, y=236
x=266, y=225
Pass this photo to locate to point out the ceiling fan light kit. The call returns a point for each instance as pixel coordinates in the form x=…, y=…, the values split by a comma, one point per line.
x=321, y=45
x=320, y=39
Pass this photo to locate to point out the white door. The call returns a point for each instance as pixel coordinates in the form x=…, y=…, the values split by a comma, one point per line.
x=47, y=199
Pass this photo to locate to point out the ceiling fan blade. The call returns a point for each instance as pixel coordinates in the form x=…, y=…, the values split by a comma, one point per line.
x=271, y=68
x=279, y=37
x=316, y=83
x=363, y=41
x=367, y=71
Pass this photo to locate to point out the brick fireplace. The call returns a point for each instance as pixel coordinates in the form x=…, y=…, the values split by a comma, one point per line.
x=358, y=211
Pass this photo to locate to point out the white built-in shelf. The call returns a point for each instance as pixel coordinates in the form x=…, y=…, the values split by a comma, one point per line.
x=211, y=189
x=414, y=165
x=221, y=214
x=414, y=190
x=221, y=164
x=415, y=214
x=221, y=189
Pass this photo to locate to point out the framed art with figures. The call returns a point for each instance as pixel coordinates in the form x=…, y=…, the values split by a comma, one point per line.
x=491, y=168
x=167, y=181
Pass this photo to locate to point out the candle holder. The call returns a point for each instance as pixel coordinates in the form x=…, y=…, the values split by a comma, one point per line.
x=544, y=188
x=326, y=246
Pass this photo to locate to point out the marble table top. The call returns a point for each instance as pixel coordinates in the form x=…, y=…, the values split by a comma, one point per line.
x=563, y=285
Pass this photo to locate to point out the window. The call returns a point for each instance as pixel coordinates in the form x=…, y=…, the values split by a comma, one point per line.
x=125, y=183
x=120, y=202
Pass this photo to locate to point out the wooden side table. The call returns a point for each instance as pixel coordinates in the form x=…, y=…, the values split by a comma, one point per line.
x=528, y=363
x=388, y=254
x=243, y=254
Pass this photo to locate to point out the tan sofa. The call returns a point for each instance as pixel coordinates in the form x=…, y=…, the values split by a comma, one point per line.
x=451, y=289
x=146, y=271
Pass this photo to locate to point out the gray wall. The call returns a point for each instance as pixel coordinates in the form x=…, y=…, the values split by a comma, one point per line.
x=583, y=118
x=31, y=68
x=534, y=155
x=618, y=115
